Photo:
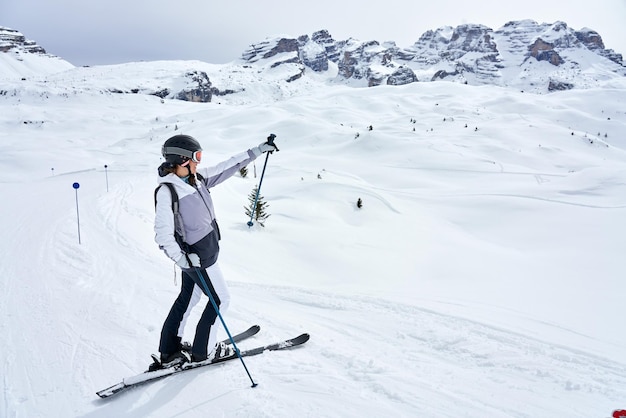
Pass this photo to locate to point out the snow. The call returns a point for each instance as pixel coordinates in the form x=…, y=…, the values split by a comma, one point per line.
x=482, y=277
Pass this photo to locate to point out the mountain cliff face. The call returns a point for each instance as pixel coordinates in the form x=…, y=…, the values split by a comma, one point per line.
x=24, y=58
x=522, y=54
x=13, y=40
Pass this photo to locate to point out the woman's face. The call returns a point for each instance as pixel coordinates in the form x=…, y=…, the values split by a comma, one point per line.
x=181, y=170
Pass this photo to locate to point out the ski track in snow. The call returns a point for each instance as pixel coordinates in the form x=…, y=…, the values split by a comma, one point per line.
x=422, y=367
x=395, y=358
x=433, y=353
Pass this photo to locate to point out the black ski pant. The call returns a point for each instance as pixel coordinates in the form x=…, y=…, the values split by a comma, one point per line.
x=190, y=292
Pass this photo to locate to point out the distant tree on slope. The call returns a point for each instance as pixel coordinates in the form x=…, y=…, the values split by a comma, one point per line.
x=257, y=213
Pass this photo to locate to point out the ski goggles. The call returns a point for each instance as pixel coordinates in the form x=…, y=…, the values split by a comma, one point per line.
x=195, y=156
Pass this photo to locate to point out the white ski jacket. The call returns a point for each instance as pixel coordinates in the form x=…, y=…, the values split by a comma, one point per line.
x=196, y=210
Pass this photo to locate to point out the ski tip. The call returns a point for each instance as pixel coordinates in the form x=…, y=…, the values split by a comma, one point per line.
x=105, y=393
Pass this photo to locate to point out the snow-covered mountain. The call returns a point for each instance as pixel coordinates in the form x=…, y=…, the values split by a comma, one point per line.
x=522, y=54
x=525, y=55
x=21, y=57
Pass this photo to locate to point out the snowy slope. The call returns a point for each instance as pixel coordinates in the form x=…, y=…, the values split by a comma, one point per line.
x=482, y=277
x=22, y=58
x=30, y=65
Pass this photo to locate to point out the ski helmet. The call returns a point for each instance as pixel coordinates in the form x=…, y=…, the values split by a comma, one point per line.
x=180, y=148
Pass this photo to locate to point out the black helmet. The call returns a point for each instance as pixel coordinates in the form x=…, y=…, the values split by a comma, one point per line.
x=180, y=148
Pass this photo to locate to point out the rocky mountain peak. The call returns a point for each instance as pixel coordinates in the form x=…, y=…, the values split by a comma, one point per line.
x=530, y=56
x=26, y=57
x=472, y=38
x=14, y=41
x=468, y=53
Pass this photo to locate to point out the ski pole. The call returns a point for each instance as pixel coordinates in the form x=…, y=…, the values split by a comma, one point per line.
x=206, y=289
x=270, y=140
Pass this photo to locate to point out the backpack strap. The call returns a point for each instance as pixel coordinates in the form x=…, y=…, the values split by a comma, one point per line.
x=174, y=196
x=179, y=231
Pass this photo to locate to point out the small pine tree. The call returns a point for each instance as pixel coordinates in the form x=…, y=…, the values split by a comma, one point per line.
x=243, y=171
x=359, y=203
x=259, y=212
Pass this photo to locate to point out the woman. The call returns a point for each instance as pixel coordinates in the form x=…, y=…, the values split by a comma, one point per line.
x=192, y=243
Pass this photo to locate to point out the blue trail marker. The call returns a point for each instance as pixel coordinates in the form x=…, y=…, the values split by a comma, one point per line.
x=76, y=186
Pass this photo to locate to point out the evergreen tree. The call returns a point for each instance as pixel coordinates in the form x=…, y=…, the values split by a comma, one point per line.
x=243, y=171
x=259, y=212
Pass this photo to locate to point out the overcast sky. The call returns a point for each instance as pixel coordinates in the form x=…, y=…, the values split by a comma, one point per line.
x=91, y=32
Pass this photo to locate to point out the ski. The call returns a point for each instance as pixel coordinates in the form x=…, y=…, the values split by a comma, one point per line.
x=292, y=342
x=253, y=330
x=159, y=374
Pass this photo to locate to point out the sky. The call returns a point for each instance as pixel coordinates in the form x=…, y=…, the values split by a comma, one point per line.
x=117, y=31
